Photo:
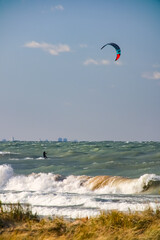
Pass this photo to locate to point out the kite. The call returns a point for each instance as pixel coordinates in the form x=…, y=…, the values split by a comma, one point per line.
x=118, y=50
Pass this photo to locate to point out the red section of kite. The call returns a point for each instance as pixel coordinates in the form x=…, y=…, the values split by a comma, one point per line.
x=118, y=56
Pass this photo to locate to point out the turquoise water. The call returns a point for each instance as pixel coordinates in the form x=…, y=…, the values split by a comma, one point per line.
x=73, y=181
x=128, y=159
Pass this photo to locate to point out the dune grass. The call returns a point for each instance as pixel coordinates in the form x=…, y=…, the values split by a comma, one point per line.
x=12, y=213
x=17, y=223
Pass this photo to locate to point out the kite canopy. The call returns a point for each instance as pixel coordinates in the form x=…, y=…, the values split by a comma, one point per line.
x=118, y=50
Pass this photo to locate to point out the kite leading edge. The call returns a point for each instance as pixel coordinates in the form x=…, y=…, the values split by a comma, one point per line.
x=118, y=50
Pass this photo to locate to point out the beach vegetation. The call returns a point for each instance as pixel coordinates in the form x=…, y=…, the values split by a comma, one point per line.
x=17, y=222
x=12, y=213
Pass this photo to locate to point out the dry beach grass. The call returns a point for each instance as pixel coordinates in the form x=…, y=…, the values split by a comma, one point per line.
x=17, y=223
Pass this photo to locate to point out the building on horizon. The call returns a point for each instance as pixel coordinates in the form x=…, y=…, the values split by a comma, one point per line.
x=62, y=139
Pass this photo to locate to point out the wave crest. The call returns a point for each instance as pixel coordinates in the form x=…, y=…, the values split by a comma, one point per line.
x=146, y=184
x=119, y=185
x=6, y=172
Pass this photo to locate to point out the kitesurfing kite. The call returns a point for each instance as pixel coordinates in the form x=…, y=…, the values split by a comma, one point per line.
x=118, y=50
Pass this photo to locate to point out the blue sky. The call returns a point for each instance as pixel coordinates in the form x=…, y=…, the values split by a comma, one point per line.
x=56, y=82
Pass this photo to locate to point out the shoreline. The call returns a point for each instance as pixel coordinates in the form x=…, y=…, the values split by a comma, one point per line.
x=19, y=223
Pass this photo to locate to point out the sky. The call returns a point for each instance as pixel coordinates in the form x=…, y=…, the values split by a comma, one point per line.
x=55, y=81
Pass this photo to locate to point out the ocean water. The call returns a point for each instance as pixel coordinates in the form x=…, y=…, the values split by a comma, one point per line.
x=80, y=179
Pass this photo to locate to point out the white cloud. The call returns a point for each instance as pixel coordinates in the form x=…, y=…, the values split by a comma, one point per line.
x=119, y=63
x=57, y=7
x=91, y=61
x=83, y=45
x=154, y=75
x=156, y=65
x=104, y=62
x=50, y=48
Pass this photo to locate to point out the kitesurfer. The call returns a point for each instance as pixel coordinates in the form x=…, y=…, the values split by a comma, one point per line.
x=44, y=154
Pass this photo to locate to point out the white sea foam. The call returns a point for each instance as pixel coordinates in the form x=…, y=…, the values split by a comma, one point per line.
x=66, y=212
x=6, y=172
x=3, y=153
x=120, y=185
x=7, y=153
x=74, y=184
x=44, y=182
x=14, y=159
x=76, y=196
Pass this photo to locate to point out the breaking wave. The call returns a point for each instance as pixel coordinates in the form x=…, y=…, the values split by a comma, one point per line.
x=147, y=183
x=48, y=182
x=6, y=173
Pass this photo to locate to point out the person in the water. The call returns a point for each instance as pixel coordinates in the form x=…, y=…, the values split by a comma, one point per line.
x=44, y=154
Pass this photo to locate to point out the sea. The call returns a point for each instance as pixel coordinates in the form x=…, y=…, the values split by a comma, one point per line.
x=80, y=179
